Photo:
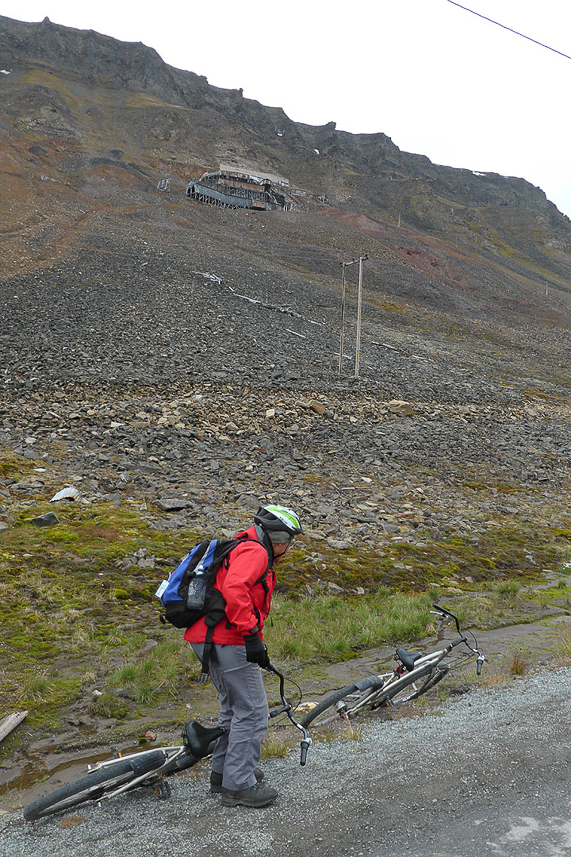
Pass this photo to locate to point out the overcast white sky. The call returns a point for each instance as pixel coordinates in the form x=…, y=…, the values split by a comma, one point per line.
x=436, y=79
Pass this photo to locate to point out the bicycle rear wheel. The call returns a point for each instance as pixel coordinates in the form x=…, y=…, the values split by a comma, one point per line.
x=92, y=786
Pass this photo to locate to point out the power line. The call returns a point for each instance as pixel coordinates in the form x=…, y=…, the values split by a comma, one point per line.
x=510, y=29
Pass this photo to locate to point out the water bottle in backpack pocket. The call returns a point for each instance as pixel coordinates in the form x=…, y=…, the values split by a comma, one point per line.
x=186, y=594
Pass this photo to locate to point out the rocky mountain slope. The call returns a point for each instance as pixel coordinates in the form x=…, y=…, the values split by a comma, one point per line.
x=177, y=364
x=151, y=346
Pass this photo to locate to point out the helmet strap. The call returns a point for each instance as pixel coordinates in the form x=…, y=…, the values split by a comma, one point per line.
x=264, y=538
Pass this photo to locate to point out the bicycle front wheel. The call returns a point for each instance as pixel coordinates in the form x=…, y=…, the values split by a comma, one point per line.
x=325, y=711
x=344, y=703
x=93, y=786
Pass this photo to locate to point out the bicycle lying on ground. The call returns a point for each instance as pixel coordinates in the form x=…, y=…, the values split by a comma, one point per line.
x=148, y=767
x=413, y=675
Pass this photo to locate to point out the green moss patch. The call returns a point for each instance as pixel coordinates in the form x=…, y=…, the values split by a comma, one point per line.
x=80, y=628
x=71, y=601
x=503, y=550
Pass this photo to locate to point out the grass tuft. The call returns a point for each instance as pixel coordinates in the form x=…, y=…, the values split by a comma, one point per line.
x=276, y=746
x=329, y=628
x=519, y=665
x=564, y=644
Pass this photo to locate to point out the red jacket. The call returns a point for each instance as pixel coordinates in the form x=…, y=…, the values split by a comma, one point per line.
x=247, y=599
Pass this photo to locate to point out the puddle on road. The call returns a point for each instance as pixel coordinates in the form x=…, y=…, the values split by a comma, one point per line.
x=33, y=770
x=43, y=769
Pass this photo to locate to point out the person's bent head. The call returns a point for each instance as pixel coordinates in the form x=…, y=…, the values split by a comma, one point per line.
x=280, y=524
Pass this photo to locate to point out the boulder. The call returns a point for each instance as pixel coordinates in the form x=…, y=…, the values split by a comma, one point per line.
x=401, y=408
x=47, y=520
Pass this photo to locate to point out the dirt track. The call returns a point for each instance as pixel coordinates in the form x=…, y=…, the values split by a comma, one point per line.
x=485, y=774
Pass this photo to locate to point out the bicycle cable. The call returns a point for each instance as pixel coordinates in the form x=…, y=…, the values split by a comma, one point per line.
x=279, y=720
x=474, y=638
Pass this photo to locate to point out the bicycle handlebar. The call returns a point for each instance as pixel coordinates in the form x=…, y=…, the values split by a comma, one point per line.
x=463, y=639
x=287, y=709
x=446, y=612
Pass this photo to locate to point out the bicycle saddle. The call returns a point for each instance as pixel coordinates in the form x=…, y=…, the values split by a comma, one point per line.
x=198, y=739
x=408, y=658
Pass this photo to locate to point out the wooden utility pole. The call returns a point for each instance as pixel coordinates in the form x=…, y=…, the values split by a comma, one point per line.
x=344, y=265
x=341, y=334
x=343, y=296
x=359, y=304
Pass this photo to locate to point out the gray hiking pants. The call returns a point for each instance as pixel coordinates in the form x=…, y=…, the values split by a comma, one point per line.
x=244, y=714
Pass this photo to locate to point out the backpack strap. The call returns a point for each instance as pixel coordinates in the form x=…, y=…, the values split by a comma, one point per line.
x=266, y=543
x=213, y=617
x=205, y=671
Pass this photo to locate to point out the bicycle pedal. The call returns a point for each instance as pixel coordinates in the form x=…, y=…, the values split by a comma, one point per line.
x=162, y=789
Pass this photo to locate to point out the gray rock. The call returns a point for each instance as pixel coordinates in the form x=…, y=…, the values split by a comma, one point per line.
x=400, y=408
x=338, y=544
x=250, y=501
x=171, y=504
x=47, y=520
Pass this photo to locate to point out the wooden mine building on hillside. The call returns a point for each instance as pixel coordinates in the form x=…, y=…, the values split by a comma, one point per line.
x=230, y=189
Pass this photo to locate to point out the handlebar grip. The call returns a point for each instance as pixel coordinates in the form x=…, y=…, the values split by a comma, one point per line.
x=304, y=749
x=479, y=665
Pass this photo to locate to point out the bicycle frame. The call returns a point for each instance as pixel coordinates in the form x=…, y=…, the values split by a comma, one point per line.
x=154, y=765
x=172, y=755
x=425, y=665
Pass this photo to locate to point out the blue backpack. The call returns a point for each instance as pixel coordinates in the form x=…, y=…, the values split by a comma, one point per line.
x=189, y=595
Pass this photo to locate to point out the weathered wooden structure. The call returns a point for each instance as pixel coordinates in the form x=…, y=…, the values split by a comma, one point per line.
x=9, y=723
x=237, y=190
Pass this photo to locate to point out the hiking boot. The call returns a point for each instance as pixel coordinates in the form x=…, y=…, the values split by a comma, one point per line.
x=258, y=795
x=216, y=780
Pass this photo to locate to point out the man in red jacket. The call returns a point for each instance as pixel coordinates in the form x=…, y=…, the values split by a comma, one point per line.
x=246, y=581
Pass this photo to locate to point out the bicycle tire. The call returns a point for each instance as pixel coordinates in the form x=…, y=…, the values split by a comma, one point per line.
x=325, y=704
x=90, y=787
x=363, y=692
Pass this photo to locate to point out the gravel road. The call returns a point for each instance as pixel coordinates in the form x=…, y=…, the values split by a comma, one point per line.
x=486, y=774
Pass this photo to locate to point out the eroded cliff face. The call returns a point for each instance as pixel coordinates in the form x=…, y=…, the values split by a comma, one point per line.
x=95, y=59
x=84, y=116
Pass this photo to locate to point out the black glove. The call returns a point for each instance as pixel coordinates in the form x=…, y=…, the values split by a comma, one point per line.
x=256, y=652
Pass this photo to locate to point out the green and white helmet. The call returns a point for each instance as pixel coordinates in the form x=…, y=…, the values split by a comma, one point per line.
x=278, y=519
